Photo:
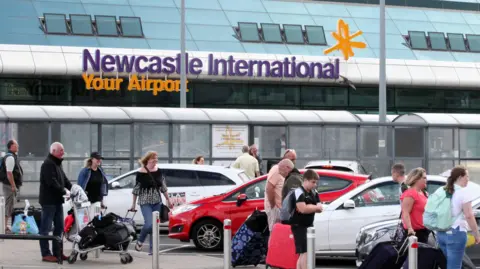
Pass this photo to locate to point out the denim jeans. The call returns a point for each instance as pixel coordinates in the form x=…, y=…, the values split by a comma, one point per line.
x=51, y=214
x=453, y=244
x=147, y=211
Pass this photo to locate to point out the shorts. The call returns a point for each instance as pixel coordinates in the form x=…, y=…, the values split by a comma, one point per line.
x=273, y=216
x=10, y=198
x=300, y=238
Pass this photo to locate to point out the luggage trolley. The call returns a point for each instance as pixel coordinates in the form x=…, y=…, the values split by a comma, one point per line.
x=81, y=214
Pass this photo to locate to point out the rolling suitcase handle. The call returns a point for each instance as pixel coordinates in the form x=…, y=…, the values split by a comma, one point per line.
x=133, y=211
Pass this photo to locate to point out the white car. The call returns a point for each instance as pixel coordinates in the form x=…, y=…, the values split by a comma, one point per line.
x=337, y=226
x=344, y=166
x=185, y=182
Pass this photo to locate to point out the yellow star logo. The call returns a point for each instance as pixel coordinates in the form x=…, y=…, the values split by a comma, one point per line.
x=230, y=140
x=344, y=41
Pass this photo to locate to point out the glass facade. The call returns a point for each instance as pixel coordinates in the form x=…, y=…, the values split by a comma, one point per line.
x=56, y=91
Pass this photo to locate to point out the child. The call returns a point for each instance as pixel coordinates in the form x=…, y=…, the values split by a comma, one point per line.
x=307, y=203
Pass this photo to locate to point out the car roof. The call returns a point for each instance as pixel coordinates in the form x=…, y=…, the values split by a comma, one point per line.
x=231, y=172
x=333, y=162
x=335, y=173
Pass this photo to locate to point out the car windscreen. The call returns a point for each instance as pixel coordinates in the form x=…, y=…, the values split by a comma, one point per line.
x=332, y=167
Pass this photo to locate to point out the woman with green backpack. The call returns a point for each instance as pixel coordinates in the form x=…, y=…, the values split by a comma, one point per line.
x=453, y=238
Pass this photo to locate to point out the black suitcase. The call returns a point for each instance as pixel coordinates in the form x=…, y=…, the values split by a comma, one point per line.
x=250, y=243
x=32, y=211
x=384, y=255
x=432, y=258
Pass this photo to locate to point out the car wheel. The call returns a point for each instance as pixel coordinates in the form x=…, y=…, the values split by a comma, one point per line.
x=208, y=235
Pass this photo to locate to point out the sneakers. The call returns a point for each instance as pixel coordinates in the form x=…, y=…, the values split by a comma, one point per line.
x=138, y=246
x=49, y=259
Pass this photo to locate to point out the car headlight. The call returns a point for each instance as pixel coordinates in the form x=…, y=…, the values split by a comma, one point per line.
x=184, y=208
x=371, y=236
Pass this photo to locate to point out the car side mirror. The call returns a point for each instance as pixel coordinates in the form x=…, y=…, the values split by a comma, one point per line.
x=349, y=204
x=115, y=185
x=241, y=198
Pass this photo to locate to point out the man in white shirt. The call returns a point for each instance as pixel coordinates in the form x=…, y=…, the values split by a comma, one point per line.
x=11, y=174
x=248, y=163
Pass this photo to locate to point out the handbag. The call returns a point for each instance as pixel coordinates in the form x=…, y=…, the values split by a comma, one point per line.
x=25, y=224
x=164, y=210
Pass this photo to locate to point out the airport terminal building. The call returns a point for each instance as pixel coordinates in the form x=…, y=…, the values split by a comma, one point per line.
x=249, y=54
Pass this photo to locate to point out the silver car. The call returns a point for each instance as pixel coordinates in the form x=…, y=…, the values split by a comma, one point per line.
x=370, y=235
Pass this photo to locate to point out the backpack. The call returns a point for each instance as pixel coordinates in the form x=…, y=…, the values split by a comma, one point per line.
x=289, y=205
x=438, y=211
x=3, y=171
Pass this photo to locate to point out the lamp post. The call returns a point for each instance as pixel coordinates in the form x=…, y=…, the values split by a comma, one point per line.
x=382, y=89
x=183, y=67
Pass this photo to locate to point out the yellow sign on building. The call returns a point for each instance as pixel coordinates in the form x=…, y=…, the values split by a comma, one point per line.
x=344, y=41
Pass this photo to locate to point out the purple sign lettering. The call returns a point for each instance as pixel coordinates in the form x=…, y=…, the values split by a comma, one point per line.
x=288, y=68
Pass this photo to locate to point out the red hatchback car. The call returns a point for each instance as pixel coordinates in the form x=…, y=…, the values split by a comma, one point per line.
x=202, y=220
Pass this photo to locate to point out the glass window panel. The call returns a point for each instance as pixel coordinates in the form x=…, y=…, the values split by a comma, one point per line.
x=409, y=142
x=453, y=28
x=58, y=7
x=299, y=49
x=474, y=42
x=271, y=32
x=377, y=167
x=213, y=179
x=436, y=167
x=32, y=138
x=398, y=13
x=220, y=94
x=115, y=168
x=72, y=168
x=109, y=10
x=293, y=34
x=131, y=26
x=191, y=140
x=151, y=137
x=204, y=33
x=469, y=143
x=392, y=42
x=369, y=141
x=251, y=47
x=271, y=141
x=75, y=138
x=314, y=8
x=419, y=98
x=373, y=26
x=81, y=24
x=405, y=54
x=307, y=141
x=457, y=42
x=341, y=142
x=116, y=140
x=22, y=25
x=273, y=95
x=235, y=17
x=165, y=44
x=443, y=143
x=94, y=136
x=331, y=23
x=277, y=49
x=466, y=56
x=437, y=41
x=206, y=17
x=364, y=11
x=323, y=97
x=204, y=4
x=71, y=40
x=444, y=16
x=406, y=26
x=456, y=99
x=473, y=168
x=433, y=55
x=150, y=14
x=56, y=23
x=411, y=164
x=219, y=46
x=285, y=7
x=181, y=178
x=418, y=40
x=113, y=42
x=370, y=196
x=291, y=19
x=248, y=31
x=315, y=35
x=253, y=191
x=164, y=31
x=364, y=97
x=26, y=8
x=245, y=5
x=106, y=25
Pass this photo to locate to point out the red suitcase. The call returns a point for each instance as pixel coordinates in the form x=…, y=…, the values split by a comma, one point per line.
x=281, y=248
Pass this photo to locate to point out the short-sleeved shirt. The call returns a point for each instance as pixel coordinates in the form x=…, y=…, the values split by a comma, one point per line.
x=277, y=180
x=460, y=197
x=309, y=198
x=9, y=163
x=416, y=214
x=248, y=163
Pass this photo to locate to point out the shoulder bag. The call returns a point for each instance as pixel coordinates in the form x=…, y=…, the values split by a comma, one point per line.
x=164, y=210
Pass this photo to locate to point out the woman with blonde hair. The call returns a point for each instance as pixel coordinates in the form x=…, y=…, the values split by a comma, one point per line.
x=413, y=201
x=150, y=182
x=92, y=179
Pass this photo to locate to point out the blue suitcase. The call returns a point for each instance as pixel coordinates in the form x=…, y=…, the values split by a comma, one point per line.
x=249, y=245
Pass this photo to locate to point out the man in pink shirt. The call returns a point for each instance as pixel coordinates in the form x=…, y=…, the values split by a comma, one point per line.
x=273, y=190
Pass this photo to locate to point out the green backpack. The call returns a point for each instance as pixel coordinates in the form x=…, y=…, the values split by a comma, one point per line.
x=438, y=211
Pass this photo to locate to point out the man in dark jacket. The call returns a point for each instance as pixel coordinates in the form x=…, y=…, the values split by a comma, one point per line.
x=54, y=185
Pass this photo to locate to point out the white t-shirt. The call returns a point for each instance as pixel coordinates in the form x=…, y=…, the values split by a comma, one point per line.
x=459, y=198
x=9, y=163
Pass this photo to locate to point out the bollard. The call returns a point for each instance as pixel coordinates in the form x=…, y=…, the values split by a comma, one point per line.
x=155, y=239
x=227, y=244
x=412, y=252
x=2, y=219
x=311, y=248
x=97, y=211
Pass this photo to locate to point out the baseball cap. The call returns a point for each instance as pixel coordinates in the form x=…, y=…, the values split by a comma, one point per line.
x=96, y=155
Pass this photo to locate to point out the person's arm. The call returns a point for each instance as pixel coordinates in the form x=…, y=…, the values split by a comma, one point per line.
x=164, y=190
x=270, y=193
x=407, y=205
x=303, y=208
x=135, y=193
x=470, y=218
x=82, y=179
x=49, y=177
x=257, y=168
x=9, y=166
